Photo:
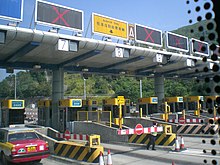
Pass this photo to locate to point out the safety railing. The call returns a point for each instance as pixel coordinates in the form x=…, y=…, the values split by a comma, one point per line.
x=103, y=117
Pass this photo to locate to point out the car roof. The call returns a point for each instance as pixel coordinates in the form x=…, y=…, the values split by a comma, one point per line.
x=16, y=129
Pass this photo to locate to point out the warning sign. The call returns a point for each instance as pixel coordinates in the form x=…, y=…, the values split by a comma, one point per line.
x=109, y=27
x=131, y=32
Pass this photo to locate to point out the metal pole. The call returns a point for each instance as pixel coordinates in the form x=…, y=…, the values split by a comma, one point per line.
x=84, y=89
x=15, y=87
x=140, y=88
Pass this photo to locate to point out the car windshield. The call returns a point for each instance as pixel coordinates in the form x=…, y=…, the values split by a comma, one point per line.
x=22, y=136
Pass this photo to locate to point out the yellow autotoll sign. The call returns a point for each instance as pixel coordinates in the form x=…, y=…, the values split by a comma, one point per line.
x=109, y=27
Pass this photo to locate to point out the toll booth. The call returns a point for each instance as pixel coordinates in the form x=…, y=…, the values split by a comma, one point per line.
x=176, y=104
x=113, y=104
x=194, y=103
x=45, y=112
x=148, y=105
x=67, y=113
x=89, y=105
x=12, y=112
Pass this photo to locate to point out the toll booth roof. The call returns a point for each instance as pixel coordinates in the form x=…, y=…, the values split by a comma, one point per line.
x=30, y=48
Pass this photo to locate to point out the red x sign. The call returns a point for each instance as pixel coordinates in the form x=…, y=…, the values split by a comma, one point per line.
x=178, y=43
x=60, y=16
x=148, y=35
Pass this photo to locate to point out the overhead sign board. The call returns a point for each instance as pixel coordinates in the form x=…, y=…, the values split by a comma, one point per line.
x=177, y=42
x=58, y=16
x=199, y=47
x=11, y=10
x=109, y=26
x=147, y=35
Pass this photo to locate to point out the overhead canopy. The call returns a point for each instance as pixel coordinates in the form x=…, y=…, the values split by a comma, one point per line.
x=28, y=49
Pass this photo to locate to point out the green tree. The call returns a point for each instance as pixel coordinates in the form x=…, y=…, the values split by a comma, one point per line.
x=126, y=86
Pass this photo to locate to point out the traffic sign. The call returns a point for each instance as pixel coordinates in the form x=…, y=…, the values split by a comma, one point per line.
x=76, y=102
x=55, y=15
x=147, y=35
x=182, y=120
x=139, y=129
x=11, y=9
x=109, y=26
x=131, y=32
x=67, y=135
x=199, y=47
x=177, y=42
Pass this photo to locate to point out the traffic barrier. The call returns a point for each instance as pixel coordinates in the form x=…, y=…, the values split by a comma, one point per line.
x=181, y=143
x=73, y=136
x=177, y=146
x=196, y=129
x=77, y=151
x=186, y=120
x=162, y=139
x=109, y=158
x=101, y=159
x=142, y=130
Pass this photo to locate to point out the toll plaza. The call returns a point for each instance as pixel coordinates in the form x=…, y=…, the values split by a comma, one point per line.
x=176, y=103
x=45, y=112
x=89, y=105
x=162, y=57
x=68, y=109
x=194, y=103
x=147, y=105
x=12, y=112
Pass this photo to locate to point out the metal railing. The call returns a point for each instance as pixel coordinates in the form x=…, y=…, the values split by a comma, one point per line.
x=103, y=117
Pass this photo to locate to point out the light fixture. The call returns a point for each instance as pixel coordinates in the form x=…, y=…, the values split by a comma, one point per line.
x=73, y=46
x=108, y=39
x=79, y=34
x=85, y=69
x=122, y=72
x=2, y=36
x=37, y=66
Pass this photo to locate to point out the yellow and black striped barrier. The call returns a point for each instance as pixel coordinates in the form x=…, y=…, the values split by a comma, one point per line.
x=197, y=129
x=77, y=151
x=162, y=139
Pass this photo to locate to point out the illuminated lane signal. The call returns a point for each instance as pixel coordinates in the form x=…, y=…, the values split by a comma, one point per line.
x=199, y=47
x=147, y=35
x=107, y=26
x=177, y=42
x=51, y=14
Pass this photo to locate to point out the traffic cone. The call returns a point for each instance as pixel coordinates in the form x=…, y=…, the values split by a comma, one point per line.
x=177, y=146
x=101, y=159
x=109, y=158
x=173, y=163
x=181, y=144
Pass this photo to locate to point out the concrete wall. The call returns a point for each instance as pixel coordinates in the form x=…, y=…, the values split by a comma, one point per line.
x=106, y=133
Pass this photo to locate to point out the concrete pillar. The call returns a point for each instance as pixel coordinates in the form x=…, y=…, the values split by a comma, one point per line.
x=57, y=94
x=159, y=88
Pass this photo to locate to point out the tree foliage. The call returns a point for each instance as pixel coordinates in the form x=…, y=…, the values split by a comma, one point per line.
x=28, y=84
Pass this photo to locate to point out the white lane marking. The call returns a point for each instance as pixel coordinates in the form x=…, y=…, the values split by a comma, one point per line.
x=195, y=152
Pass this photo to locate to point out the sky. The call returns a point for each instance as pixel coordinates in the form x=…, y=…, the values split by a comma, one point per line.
x=165, y=15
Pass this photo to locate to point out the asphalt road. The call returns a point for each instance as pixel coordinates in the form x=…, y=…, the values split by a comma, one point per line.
x=124, y=154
